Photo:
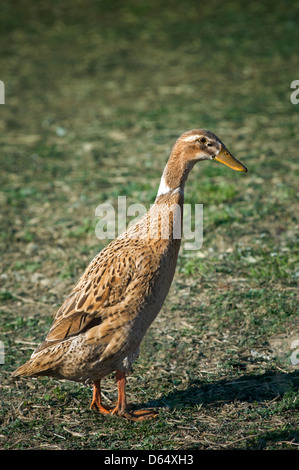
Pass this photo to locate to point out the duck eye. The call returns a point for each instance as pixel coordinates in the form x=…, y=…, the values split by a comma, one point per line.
x=203, y=140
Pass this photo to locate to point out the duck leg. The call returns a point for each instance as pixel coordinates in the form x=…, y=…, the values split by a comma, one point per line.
x=122, y=408
x=96, y=403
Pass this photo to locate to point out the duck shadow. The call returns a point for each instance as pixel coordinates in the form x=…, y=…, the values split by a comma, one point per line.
x=246, y=388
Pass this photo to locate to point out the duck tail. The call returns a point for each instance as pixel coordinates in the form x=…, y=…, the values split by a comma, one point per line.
x=26, y=370
x=35, y=366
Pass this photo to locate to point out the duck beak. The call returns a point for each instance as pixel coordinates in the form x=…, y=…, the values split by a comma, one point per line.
x=225, y=157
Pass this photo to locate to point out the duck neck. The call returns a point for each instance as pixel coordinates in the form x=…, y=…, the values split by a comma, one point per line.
x=175, y=175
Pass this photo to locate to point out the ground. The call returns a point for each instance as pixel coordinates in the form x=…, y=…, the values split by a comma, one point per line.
x=95, y=95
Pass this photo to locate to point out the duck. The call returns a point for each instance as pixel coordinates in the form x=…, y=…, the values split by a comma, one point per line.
x=98, y=329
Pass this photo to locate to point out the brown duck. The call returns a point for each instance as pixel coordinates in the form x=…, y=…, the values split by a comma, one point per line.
x=99, y=327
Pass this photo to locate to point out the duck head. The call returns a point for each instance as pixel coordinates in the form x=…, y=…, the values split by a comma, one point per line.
x=191, y=147
x=204, y=145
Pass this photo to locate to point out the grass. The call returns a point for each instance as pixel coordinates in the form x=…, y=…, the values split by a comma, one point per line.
x=96, y=94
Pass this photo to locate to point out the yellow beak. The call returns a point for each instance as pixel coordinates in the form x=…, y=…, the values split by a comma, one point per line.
x=225, y=157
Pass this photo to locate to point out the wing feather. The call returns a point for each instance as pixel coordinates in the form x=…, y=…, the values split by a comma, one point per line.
x=95, y=299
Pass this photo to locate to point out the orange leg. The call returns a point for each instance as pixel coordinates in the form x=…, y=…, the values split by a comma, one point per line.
x=121, y=408
x=96, y=403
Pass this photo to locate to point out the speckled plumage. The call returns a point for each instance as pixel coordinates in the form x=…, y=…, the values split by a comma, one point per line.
x=99, y=327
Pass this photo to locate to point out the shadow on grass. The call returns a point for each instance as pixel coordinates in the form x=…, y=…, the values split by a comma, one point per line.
x=247, y=388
